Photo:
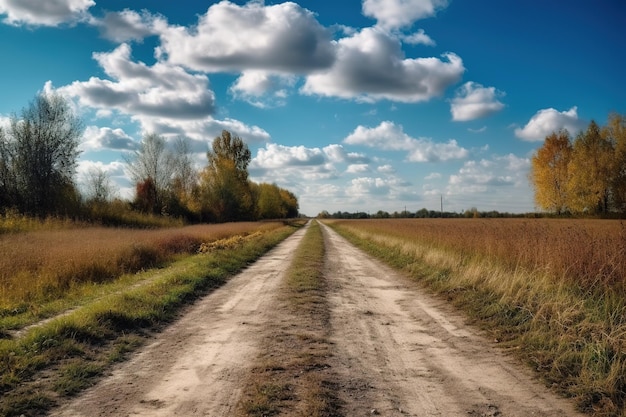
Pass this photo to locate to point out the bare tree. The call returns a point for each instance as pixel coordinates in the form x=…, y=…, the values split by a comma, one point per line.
x=39, y=154
x=153, y=163
x=98, y=186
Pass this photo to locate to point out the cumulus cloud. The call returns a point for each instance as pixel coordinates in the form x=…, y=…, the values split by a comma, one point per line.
x=547, y=121
x=44, y=13
x=97, y=138
x=203, y=130
x=365, y=186
x=480, y=177
x=279, y=38
x=163, y=98
x=357, y=168
x=371, y=66
x=115, y=169
x=337, y=153
x=263, y=89
x=418, y=38
x=394, y=14
x=129, y=25
x=160, y=90
x=282, y=164
x=473, y=101
x=279, y=156
x=389, y=136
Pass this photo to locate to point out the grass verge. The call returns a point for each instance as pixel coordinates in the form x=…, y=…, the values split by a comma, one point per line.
x=67, y=354
x=292, y=376
x=573, y=335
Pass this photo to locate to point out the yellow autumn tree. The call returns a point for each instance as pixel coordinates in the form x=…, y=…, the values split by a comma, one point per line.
x=591, y=172
x=615, y=132
x=224, y=188
x=549, y=172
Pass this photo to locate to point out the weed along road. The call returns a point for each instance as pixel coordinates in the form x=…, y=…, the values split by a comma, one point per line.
x=395, y=351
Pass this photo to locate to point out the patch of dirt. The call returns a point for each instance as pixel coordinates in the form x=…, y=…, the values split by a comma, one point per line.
x=394, y=351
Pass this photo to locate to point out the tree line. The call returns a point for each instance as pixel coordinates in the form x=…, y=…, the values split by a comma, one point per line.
x=39, y=153
x=583, y=176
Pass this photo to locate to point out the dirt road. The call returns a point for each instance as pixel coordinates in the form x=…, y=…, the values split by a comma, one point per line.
x=397, y=352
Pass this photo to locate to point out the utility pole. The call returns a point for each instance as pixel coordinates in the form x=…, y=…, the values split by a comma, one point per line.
x=442, y=206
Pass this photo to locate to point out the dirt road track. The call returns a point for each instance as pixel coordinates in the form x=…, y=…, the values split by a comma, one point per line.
x=194, y=367
x=400, y=352
x=397, y=352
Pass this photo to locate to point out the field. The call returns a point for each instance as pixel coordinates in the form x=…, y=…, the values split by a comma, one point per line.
x=39, y=267
x=553, y=291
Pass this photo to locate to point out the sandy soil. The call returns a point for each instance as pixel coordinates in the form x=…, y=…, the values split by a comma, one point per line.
x=397, y=351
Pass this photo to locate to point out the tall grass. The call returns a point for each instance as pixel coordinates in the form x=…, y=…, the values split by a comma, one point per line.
x=41, y=266
x=552, y=290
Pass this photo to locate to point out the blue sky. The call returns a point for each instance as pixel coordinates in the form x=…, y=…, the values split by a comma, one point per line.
x=352, y=105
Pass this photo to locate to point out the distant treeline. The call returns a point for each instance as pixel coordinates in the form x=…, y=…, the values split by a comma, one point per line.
x=39, y=153
x=422, y=214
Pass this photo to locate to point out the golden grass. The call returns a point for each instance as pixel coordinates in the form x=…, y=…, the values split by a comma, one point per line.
x=44, y=265
x=552, y=290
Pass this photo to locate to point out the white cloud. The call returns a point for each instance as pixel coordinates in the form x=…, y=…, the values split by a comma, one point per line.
x=291, y=165
x=5, y=122
x=44, y=12
x=279, y=38
x=129, y=25
x=115, y=169
x=399, y=13
x=366, y=186
x=160, y=90
x=203, y=130
x=386, y=169
x=371, y=66
x=357, y=168
x=278, y=156
x=433, y=176
x=498, y=183
x=389, y=136
x=337, y=153
x=97, y=138
x=418, y=38
x=263, y=89
x=473, y=101
x=163, y=98
x=547, y=121
x=479, y=130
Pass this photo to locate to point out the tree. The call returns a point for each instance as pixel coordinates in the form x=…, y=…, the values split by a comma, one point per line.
x=289, y=203
x=549, y=172
x=151, y=168
x=184, y=182
x=591, y=172
x=270, y=204
x=98, y=186
x=224, y=187
x=38, y=156
x=615, y=132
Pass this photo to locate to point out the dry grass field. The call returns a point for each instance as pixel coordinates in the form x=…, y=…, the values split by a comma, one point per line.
x=553, y=291
x=50, y=263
